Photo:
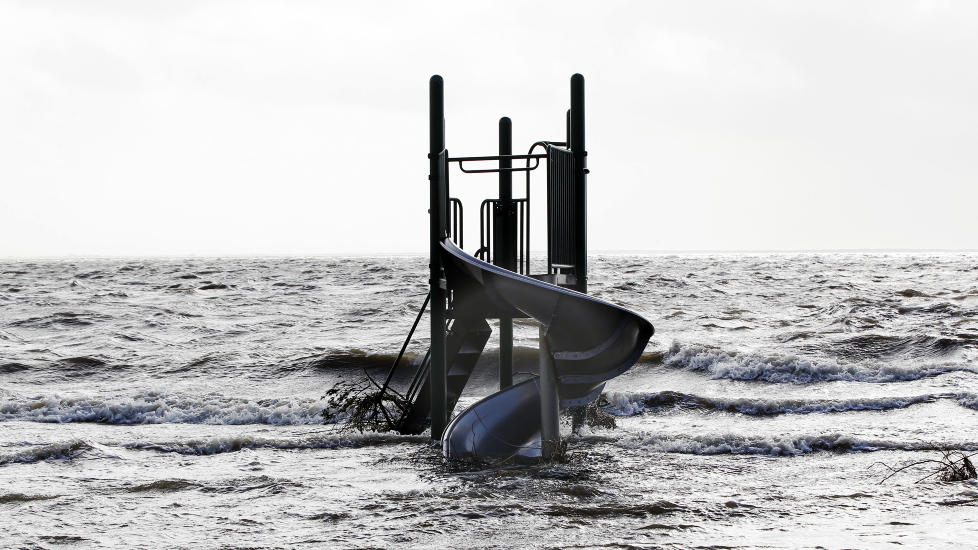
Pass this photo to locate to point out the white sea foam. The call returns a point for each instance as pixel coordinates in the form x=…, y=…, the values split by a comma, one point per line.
x=793, y=369
x=64, y=450
x=157, y=407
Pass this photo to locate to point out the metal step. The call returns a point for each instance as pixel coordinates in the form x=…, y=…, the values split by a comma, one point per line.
x=464, y=344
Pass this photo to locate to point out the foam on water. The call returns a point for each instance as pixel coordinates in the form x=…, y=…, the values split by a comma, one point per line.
x=65, y=450
x=155, y=407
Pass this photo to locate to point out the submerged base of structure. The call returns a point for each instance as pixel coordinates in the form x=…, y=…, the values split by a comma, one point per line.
x=503, y=425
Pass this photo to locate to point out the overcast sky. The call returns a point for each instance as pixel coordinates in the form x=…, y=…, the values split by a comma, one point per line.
x=205, y=128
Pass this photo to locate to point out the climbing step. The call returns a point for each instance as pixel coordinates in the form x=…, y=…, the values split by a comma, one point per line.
x=466, y=340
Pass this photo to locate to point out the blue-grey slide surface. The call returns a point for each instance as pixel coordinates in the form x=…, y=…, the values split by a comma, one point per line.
x=592, y=341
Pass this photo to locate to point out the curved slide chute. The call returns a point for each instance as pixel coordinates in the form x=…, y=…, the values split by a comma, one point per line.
x=587, y=342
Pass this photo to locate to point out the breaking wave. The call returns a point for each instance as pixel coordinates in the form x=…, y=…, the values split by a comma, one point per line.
x=229, y=444
x=793, y=369
x=351, y=359
x=65, y=450
x=787, y=446
x=158, y=407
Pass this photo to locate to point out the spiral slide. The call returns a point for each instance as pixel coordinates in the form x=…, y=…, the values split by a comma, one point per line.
x=584, y=342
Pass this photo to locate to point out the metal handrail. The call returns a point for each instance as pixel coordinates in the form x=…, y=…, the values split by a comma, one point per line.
x=528, y=168
x=546, y=147
x=390, y=372
x=485, y=231
x=419, y=375
x=456, y=225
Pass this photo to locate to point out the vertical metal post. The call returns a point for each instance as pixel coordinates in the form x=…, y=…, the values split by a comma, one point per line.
x=504, y=254
x=580, y=173
x=438, y=182
x=567, y=137
x=549, y=405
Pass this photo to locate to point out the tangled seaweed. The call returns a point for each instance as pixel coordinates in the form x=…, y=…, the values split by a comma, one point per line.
x=365, y=409
x=951, y=466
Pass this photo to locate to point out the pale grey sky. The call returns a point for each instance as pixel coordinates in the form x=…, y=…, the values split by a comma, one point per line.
x=206, y=128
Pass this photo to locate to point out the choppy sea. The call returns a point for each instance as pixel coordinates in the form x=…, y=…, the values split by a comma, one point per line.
x=179, y=403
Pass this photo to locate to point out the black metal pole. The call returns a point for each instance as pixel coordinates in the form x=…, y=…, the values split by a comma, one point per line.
x=567, y=129
x=580, y=173
x=505, y=253
x=438, y=181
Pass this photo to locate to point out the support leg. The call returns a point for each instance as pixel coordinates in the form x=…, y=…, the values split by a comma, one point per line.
x=505, y=352
x=549, y=406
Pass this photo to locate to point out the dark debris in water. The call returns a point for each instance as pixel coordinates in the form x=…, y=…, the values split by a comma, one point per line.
x=950, y=466
x=366, y=409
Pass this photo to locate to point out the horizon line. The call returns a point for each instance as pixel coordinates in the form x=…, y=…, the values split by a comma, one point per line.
x=651, y=252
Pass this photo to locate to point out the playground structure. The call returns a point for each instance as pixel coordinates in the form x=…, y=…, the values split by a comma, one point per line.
x=583, y=341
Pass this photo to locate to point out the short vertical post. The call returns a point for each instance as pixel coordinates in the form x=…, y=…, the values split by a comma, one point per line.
x=437, y=177
x=580, y=173
x=567, y=129
x=549, y=405
x=504, y=244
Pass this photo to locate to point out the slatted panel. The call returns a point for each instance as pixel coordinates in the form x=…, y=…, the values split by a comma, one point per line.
x=561, y=211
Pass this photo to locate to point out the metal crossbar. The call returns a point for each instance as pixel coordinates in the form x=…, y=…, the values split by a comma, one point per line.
x=527, y=168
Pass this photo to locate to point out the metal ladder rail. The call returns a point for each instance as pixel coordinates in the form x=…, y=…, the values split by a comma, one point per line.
x=393, y=368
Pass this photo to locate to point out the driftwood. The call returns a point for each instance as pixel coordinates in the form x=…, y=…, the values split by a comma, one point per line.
x=950, y=466
x=365, y=409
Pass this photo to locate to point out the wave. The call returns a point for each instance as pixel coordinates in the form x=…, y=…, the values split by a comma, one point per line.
x=969, y=400
x=164, y=486
x=62, y=319
x=159, y=407
x=869, y=346
x=229, y=444
x=775, y=446
x=353, y=358
x=21, y=497
x=73, y=368
x=793, y=369
x=65, y=450
x=233, y=485
x=630, y=404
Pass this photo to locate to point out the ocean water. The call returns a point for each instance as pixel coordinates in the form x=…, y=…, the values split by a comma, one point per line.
x=179, y=403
